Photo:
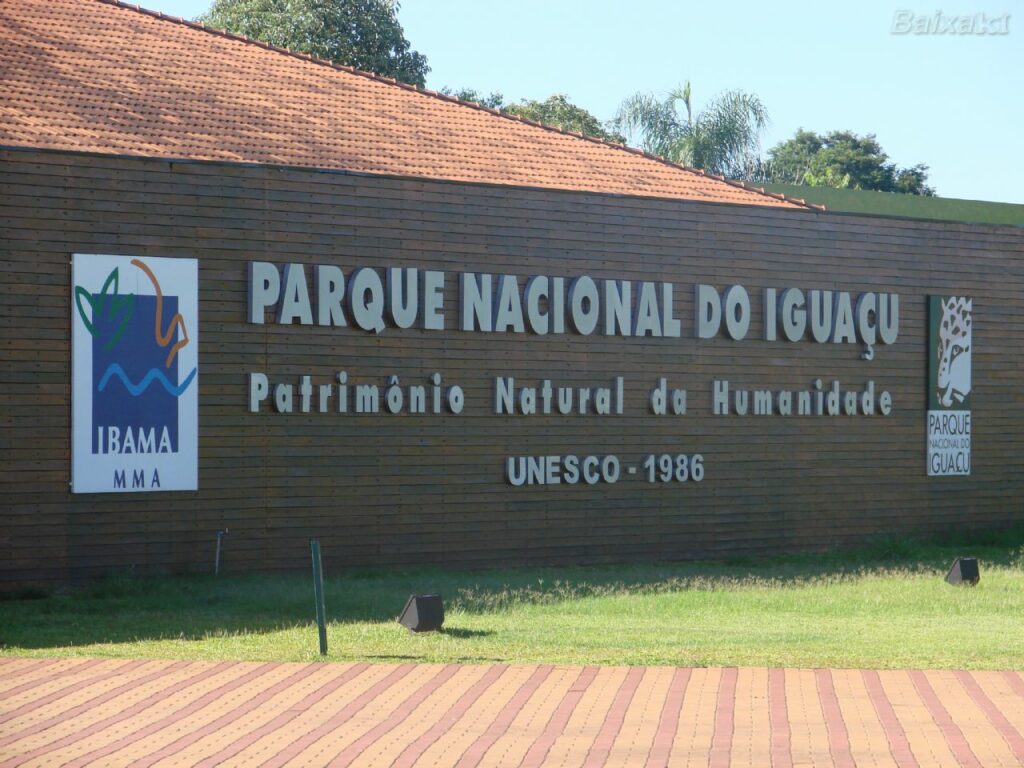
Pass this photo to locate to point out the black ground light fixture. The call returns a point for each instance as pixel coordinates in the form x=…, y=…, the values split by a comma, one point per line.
x=422, y=613
x=964, y=571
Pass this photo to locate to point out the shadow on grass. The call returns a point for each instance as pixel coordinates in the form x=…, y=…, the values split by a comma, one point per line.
x=126, y=609
x=464, y=634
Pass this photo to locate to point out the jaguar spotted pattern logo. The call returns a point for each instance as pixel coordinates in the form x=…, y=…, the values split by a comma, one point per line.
x=954, y=351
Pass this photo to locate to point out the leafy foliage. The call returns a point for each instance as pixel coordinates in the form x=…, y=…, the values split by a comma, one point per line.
x=364, y=34
x=723, y=138
x=493, y=100
x=556, y=111
x=841, y=159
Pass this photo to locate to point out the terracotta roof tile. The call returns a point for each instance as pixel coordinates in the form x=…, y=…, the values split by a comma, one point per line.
x=101, y=76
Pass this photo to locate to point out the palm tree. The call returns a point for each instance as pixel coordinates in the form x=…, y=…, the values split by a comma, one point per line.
x=724, y=138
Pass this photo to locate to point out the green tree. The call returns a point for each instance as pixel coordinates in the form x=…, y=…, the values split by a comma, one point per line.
x=842, y=159
x=914, y=181
x=556, y=111
x=559, y=112
x=493, y=100
x=723, y=138
x=790, y=161
x=364, y=34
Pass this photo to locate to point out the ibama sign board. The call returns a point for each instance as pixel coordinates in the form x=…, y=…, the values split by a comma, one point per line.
x=135, y=374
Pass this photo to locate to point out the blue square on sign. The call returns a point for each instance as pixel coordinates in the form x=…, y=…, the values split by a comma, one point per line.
x=134, y=391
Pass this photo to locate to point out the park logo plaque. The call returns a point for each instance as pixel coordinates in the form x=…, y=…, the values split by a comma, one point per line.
x=950, y=324
x=134, y=374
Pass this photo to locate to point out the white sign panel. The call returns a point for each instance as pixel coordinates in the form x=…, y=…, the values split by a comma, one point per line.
x=134, y=374
x=949, y=443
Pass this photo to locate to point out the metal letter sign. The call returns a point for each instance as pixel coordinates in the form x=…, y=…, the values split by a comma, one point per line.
x=949, y=385
x=134, y=374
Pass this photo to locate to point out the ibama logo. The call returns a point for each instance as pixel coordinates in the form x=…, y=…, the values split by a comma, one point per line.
x=134, y=374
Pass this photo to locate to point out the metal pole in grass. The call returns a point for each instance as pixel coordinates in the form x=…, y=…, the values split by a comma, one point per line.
x=216, y=558
x=318, y=595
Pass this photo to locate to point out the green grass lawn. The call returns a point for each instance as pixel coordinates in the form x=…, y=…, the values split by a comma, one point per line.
x=882, y=607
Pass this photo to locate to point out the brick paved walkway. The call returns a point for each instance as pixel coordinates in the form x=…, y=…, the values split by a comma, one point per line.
x=78, y=712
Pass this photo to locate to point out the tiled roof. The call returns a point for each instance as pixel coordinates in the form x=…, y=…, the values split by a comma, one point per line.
x=100, y=76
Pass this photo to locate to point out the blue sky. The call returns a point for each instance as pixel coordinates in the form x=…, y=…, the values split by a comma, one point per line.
x=951, y=101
